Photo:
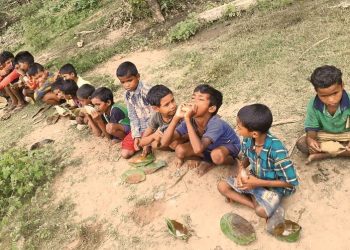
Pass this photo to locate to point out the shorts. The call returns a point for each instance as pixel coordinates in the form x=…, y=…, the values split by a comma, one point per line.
x=128, y=142
x=267, y=199
x=232, y=148
x=127, y=128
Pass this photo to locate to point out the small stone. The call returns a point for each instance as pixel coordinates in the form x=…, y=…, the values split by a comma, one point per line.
x=80, y=44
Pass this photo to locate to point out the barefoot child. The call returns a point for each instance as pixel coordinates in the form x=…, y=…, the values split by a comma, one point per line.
x=111, y=118
x=163, y=103
x=138, y=107
x=272, y=174
x=210, y=138
x=328, y=116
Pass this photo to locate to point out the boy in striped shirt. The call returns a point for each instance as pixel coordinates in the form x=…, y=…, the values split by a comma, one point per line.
x=270, y=174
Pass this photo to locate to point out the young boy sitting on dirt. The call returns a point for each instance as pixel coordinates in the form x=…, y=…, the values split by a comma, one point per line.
x=84, y=94
x=68, y=72
x=43, y=80
x=7, y=75
x=111, y=118
x=13, y=82
x=68, y=91
x=210, y=138
x=271, y=174
x=163, y=103
x=327, y=122
x=138, y=107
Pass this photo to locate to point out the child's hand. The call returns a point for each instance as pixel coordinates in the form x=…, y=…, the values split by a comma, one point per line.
x=249, y=183
x=191, y=111
x=314, y=146
x=136, y=144
x=179, y=112
x=157, y=136
x=95, y=115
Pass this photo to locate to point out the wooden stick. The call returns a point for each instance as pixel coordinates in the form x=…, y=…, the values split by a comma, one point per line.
x=314, y=45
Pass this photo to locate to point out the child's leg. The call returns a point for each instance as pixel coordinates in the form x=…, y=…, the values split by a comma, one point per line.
x=227, y=191
x=117, y=130
x=95, y=130
x=183, y=151
x=302, y=145
x=128, y=149
x=17, y=93
x=259, y=210
x=51, y=98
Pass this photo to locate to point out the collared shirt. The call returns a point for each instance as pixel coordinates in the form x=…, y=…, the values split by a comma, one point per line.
x=273, y=163
x=81, y=81
x=319, y=119
x=139, y=110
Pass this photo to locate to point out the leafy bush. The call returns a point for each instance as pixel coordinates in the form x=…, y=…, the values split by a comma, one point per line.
x=184, y=30
x=231, y=11
x=22, y=172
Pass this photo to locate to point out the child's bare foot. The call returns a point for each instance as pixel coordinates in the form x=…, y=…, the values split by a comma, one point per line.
x=179, y=162
x=317, y=157
x=193, y=164
x=204, y=167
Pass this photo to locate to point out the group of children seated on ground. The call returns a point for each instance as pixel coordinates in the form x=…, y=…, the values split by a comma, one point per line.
x=150, y=119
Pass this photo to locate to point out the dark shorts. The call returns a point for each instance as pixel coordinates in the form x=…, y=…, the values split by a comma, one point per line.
x=232, y=148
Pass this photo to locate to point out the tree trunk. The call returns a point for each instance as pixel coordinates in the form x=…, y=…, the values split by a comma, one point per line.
x=156, y=12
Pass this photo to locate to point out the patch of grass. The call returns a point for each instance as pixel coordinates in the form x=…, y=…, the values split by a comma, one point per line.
x=268, y=5
x=182, y=31
x=87, y=60
x=231, y=11
x=104, y=81
x=22, y=172
x=90, y=236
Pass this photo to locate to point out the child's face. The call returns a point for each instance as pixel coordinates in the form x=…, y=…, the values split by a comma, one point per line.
x=70, y=76
x=58, y=93
x=129, y=83
x=101, y=107
x=23, y=66
x=83, y=101
x=7, y=66
x=202, y=102
x=241, y=130
x=331, y=96
x=41, y=77
x=167, y=106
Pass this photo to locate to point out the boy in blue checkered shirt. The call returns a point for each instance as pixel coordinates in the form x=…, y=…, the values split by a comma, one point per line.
x=272, y=174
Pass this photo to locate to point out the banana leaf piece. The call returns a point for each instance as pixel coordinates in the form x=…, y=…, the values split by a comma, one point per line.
x=177, y=229
x=140, y=160
x=133, y=176
x=237, y=229
x=288, y=231
x=153, y=167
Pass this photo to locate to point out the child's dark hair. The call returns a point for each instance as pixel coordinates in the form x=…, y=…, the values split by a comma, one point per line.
x=215, y=95
x=69, y=87
x=57, y=84
x=35, y=69
x=85, y=91
x=4, y=56
x=256, y=117
x=24, y=57
x=68, y=69
x=104, y=94
x=156, y=93
x=127, y=69
x=325, y=76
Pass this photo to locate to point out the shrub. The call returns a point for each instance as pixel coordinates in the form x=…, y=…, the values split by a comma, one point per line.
x=265, y=5
x=22, y=172
x=184, y=30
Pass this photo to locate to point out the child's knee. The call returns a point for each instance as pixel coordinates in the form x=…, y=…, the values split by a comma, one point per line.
x=109, y=128
x=218, y=157
x=302, y=145
x=180, y=151
x=126, y=154
x=260, y=211
x=223, y=187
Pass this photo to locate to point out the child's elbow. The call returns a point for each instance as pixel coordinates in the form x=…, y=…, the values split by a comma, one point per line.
x=198, y=151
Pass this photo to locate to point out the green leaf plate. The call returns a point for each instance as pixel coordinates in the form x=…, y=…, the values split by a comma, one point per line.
x=288, y=231
x=140, y=161
x=133, y=176
x=237, y=229
x=153, y=167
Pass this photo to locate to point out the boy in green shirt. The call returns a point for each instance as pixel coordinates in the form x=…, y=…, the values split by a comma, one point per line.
x=327, y=122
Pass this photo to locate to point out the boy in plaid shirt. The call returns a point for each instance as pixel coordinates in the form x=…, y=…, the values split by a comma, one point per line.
x=139, y=110
x=271, y=174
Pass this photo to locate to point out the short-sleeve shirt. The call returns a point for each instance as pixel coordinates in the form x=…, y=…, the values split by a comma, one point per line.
x=218, y=131
x=115, y=115
x=81, y=81
x=273, y=163
x=319, y=119
x=157, y=122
